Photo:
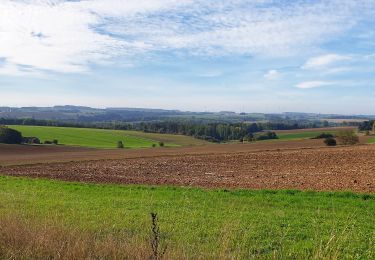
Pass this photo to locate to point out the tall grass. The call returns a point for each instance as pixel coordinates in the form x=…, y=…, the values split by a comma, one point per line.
x=22, y=238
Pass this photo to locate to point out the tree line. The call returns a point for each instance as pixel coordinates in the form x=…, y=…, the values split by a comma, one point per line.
x=366, y=126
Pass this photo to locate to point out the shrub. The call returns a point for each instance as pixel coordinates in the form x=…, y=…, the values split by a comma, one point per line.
x=348, y=137
x=330, y=141
x=47, y=142
x=161, y=144
x=120, y=144
x=55, y=141
x=30, y=140
x=10, y=136
x=153, y=145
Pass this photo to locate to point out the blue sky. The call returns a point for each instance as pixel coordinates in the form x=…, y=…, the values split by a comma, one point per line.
x=198, y=55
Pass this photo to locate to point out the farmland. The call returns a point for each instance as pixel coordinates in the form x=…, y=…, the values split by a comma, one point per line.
x=290, y=198
x=194, y=223
x=322, y=169
x=100, y=138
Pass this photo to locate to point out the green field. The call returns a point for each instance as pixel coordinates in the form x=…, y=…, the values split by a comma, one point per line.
x=101, y=138
x=301, y=135
x=372, y=140
x=196, y=223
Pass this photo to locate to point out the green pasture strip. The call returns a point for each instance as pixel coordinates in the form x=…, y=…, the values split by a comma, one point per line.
x=207, y=223
x=98, y=138
x=178, y=140
x=372, y=140
x=302, y=135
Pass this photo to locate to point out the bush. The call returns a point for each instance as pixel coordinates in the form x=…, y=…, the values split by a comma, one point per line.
x=161, y=144
x=31, y=140
x=347, y=137
x=10, y=136
x=329, y=141
x=120, y=144
x=47, y=142
x=153, y=145
x=55, y=141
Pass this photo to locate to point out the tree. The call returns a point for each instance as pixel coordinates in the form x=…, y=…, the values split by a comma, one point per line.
x=10, y=136
x=348, y=137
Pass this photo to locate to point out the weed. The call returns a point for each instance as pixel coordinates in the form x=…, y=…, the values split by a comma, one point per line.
x=157, y=251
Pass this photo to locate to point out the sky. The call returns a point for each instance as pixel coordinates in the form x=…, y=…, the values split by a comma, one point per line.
x=197, y=55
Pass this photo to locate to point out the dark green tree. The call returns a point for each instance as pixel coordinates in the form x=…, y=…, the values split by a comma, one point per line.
x=10, y=136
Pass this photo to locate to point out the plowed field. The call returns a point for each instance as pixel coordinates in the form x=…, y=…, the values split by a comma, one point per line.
x=339, y=168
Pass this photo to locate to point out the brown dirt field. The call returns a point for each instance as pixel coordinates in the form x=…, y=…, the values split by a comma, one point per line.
x=328, y=169
x=27, y=154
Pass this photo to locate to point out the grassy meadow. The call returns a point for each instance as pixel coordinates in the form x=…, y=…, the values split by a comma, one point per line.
x=41, y=218
x=301, y=135
x=102, y=138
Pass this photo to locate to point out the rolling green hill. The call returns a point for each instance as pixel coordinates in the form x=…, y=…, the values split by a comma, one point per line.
x=98, y=138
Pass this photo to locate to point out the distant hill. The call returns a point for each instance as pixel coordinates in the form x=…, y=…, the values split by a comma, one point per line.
x=83, y=114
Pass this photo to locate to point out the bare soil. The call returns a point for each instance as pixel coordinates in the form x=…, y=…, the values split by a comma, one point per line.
x=297, y=165
x=28, y=154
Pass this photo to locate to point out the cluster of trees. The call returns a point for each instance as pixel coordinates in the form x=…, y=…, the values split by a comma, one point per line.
x=347, y=137
x=366, y=126
x=10, y=136
x=214, y=132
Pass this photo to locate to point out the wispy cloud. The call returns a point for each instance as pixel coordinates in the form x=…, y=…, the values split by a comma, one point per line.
x=324, y=61
x=272, y=75
x=314, y=84
x=70, y=36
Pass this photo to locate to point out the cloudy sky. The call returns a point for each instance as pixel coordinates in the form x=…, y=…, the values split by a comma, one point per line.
x=240, y=55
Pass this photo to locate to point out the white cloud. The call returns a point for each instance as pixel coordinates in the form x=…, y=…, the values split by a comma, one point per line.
x=70, y=36
x=324, y=61
x=272, y=75
x=314, y=84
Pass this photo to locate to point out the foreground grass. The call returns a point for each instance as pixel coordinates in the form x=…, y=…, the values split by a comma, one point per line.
x=194, y=223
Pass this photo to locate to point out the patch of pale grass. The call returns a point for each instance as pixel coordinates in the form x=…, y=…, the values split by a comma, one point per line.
x=21, y=238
